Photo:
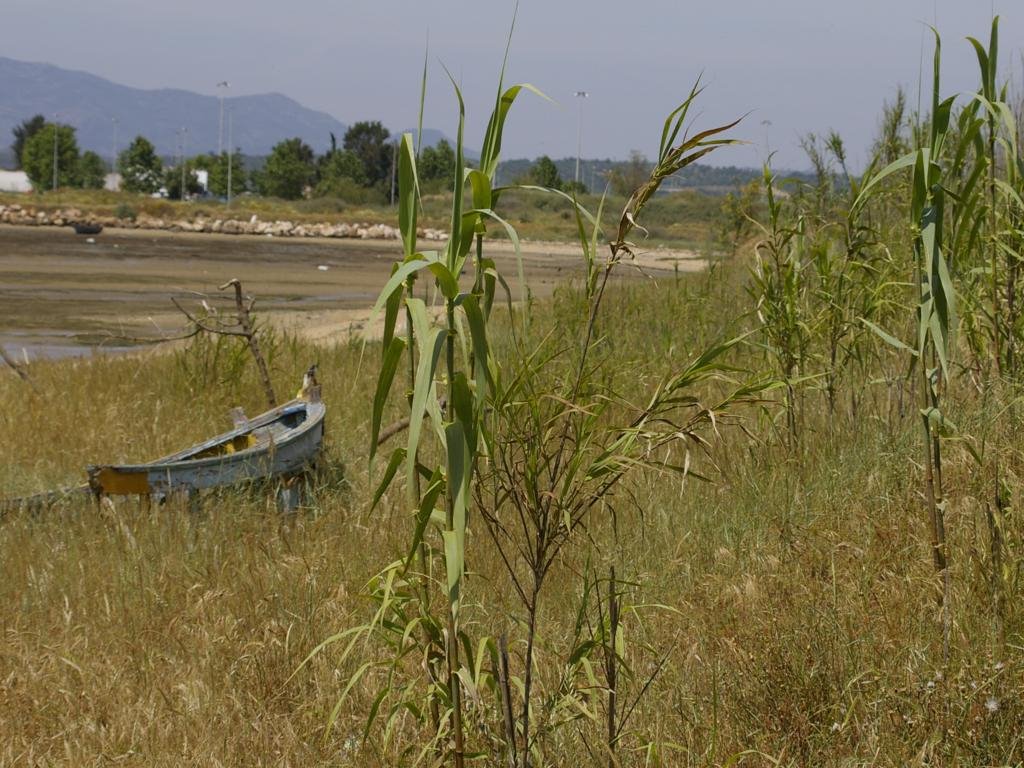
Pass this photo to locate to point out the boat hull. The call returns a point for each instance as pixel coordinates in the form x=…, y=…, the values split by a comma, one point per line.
x=284, y=441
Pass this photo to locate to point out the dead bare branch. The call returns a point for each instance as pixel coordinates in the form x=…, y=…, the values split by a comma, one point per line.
x=245, y=320
x=22, y=373
x=402, y=424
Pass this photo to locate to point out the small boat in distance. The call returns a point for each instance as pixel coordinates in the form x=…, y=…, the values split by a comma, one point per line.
x=283, y=442
x=86, y=228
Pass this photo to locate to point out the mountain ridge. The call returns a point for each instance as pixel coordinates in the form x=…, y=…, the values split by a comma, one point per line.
x=91, y=103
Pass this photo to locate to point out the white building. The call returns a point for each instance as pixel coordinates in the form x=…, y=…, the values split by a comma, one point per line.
x=14, y=181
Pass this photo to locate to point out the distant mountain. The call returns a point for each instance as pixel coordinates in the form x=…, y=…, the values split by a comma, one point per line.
x=91, y=103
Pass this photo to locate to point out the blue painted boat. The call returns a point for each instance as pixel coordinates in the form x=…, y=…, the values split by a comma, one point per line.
x=283, y=442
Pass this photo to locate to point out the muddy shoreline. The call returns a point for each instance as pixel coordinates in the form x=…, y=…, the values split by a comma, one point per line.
x=63, y=294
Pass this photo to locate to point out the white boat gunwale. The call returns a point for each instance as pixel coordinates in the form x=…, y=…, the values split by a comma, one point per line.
x=268, y=458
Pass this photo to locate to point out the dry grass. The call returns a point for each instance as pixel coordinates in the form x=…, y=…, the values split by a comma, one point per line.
x=800, y=616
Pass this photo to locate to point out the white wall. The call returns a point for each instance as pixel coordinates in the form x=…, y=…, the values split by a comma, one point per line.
x=14, y=181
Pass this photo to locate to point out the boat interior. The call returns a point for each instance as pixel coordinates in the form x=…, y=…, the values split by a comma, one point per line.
x=266, y=434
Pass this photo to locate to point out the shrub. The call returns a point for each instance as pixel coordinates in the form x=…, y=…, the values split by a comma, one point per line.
x=125, y=211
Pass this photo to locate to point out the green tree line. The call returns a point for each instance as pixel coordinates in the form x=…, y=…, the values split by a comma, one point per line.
x=360, y=170
x=49, y=155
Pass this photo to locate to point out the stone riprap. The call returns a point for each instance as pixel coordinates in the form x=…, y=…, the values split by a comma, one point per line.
x=30, y=216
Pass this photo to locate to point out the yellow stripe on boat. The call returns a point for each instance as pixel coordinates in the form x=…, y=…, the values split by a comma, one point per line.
x=115, y=483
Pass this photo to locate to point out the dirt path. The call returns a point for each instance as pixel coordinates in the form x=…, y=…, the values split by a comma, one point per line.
x=61, y=294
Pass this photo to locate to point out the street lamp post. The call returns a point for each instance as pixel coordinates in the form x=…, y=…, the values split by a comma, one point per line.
x=581, y=95
x=231, y=152
x=220, y=127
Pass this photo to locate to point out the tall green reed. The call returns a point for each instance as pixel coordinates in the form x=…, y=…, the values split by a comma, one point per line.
x=493, y=436
x=779, y=286
x=932, y=207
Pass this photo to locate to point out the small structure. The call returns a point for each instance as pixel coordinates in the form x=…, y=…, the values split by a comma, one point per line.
x=14, y=181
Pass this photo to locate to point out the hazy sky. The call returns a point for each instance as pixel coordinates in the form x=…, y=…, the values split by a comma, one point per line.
x=800, y=65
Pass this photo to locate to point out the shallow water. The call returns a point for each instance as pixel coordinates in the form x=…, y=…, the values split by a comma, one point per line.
x=28, y=351
x=62, y=295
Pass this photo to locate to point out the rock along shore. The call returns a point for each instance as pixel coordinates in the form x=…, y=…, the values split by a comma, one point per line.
x=29, y=216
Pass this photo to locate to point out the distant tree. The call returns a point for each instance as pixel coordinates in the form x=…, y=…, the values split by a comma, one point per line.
x=627, y=176
x=369, y=142
x=92, y=171
x=288, y=171
x=172, y=180
x=22, y=133
x=738, y=212
x=37, y=157
x=574, y=187
x=339, y=170
x=140, y=167
x=217, y=167
x=438, y=162
x=544, y=173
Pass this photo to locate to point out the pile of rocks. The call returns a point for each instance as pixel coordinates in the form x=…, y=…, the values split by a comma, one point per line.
x=27, y=215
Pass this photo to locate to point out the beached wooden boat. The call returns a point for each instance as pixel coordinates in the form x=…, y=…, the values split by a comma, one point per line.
x=282, y=442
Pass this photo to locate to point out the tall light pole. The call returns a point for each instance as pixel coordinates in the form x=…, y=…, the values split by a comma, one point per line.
x=113, y=156
x=184, y=133
x=231, y=151
x=56, y=131
x=581, y=95
x=223, y=84
x=394, y=168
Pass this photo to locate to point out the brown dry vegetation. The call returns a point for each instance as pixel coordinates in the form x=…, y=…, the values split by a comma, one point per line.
x=844, y=590
x=799, y=607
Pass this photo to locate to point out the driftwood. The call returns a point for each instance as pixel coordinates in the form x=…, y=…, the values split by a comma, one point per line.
x=391, y=430
x=403, y=424
x=250, y=336
x=40, y=501
x=241, y=327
